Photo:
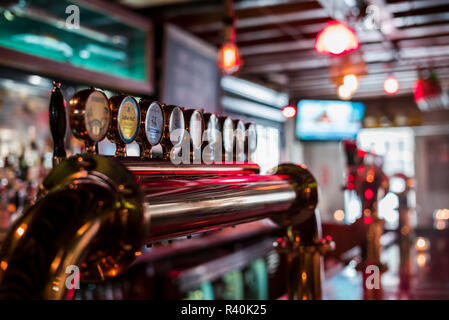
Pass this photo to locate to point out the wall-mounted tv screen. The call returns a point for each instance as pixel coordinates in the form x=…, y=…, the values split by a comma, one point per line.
x=328, y=120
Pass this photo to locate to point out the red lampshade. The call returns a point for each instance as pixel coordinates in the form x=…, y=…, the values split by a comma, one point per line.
x=429, y=94
x=426, y=88
x=336, y=38
x=229, y=58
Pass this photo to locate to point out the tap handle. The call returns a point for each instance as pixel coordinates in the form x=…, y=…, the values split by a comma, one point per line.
x=57, y=123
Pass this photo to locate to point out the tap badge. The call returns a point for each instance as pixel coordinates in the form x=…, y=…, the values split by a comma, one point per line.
x=128, y=119
x=196, y=129
x=154, y=124
x=97, y=116
x=240, y=141
x=228, y=135
x=176, y=126
x=212, y=129
x=252, y=137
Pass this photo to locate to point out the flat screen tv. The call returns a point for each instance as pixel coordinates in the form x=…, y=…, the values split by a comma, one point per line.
x=328, y=119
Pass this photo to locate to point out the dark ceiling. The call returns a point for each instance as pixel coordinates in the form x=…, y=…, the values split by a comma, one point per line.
x=276, y=39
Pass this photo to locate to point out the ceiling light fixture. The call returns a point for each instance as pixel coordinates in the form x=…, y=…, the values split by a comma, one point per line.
x=336, y=38
x=289, y=112
x=344, y=92
x=351, y=81
x=229, y=60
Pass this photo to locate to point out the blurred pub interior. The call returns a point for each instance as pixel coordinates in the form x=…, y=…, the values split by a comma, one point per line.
x=293, y=85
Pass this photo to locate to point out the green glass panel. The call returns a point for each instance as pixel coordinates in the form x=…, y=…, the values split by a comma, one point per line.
x=256, y=280
x=102, y=43
x=233, y=289
x=205, y=292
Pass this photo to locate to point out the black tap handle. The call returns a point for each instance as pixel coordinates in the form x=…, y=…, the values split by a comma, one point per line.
x=57, y=123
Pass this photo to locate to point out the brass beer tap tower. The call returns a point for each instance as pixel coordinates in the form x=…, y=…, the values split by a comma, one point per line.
x=96, y=212
x=366, y=178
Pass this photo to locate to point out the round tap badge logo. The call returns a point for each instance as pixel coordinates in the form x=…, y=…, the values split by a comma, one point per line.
x=196, y=129
x=128, y=119
x=240, y=141
x=252, y=137
x=228, y=135
x=97, y=116
x=212, y=129
x=154, y=124
x=240, y=133
x=176, y=126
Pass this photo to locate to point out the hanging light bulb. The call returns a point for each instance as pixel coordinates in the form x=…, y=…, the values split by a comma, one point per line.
x=289, y=111
x=336, y=38
x=391, y=85
x=229, y=60
x=348, y=87
x=351, y=81
x=344, y=92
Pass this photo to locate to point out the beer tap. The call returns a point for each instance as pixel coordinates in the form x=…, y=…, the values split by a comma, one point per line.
x=366, y=178
x=151, y=127
x=250, y=141
x=125, y=122
x=57, y=123
x=211, y=144
x=90, y=117
x=227, y=125
x=239, y=145
x=174, y=131
x=194, y=120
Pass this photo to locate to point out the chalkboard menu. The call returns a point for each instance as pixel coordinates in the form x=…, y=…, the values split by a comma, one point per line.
x=190, y=76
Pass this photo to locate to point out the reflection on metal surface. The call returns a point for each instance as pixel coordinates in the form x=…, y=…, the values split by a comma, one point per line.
x=90, y=116
x=156, y=167
x=91, y=208
x=422, y=244
x=421, y=259
x=95, y=205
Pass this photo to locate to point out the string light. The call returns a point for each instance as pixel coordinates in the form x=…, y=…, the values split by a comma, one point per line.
x=339, y=215
x=351, y=81
x=391, y=85
x=349, y=86
x=229, y=58
x=289, y=112
x=344, y=92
